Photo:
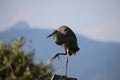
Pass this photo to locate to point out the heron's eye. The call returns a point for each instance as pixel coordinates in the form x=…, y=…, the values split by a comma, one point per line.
x=55, y=31
x=66, y=29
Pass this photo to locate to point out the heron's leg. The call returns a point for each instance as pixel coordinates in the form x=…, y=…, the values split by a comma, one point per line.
x=66, y=62
x=57, y=55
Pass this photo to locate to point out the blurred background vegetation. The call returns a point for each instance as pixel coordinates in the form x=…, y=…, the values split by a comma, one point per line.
x=17, y=64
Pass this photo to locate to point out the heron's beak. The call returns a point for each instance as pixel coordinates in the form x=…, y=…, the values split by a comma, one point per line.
x=50, y=35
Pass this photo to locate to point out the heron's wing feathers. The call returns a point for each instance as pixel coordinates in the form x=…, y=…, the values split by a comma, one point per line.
x=70, y=38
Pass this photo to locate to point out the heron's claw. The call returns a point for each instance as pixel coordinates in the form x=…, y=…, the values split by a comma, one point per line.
x=58, y=57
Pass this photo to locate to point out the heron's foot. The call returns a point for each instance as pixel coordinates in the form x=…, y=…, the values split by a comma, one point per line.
x=57, y=55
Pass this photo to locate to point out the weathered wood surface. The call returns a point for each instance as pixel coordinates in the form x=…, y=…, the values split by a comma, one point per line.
x=59, y=77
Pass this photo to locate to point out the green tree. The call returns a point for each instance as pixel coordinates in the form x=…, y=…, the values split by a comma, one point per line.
x=16, y=64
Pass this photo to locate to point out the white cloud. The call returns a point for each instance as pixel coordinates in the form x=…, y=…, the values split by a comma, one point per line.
x=22, y=15
x=107, y=31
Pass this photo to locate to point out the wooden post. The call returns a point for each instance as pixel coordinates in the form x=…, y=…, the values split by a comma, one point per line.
x=59, y=77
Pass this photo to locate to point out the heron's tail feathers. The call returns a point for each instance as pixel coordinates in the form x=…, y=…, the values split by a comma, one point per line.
x=73, y=50
x=77, y=48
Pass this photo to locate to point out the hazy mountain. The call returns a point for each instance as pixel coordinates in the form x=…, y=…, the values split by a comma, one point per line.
x=95, y=61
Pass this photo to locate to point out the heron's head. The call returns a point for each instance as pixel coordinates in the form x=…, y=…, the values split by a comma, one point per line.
x=52, y=34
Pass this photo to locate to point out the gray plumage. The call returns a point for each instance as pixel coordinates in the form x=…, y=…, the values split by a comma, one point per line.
x=66, y=38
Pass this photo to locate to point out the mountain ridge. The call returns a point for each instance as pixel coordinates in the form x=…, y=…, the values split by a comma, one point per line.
x=96, y=58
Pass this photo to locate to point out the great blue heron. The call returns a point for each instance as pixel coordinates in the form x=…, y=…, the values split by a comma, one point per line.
x=66, y=38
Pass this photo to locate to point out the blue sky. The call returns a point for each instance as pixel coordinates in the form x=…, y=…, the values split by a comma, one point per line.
x=95, y=19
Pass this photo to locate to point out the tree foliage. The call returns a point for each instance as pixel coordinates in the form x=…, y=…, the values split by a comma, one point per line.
x=16, y=64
